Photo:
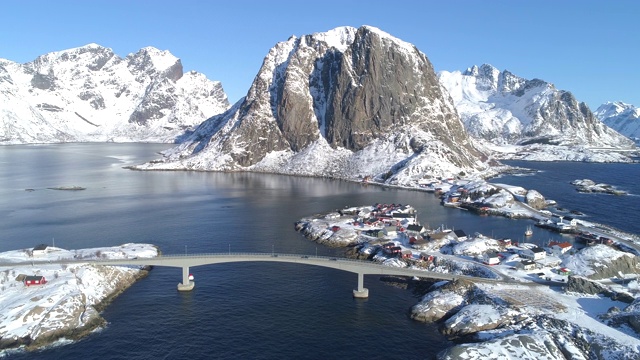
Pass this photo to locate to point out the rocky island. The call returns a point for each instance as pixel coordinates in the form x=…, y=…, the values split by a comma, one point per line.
x=48, y=302
x=590, y=186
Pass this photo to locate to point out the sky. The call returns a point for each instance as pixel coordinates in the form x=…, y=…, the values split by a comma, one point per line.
x=587, y=47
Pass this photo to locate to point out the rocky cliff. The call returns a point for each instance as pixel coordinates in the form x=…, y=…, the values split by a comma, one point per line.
x=348, y=103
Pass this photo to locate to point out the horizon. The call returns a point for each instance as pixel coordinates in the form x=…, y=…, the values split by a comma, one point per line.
x=571, y=44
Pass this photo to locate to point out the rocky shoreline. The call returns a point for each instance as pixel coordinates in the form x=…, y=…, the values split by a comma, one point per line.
x=514, y=320
x=75, y=333
x=590, y=186
x=68, y=302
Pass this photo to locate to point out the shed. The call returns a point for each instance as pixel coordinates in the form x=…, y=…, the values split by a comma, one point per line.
x=460, y=235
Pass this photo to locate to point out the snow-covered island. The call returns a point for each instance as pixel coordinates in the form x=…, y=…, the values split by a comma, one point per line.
x=559, y=302
x=50, y=302
x=590, y=186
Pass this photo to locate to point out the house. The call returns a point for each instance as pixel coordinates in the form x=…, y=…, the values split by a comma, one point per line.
x=415, y=230
x=569, y=220
x=409, y=218
x=395, y=250
x=533, y=254
x=34, y=280
x=39, y=250
x=460, y=235
x=526, y=265
x=407, y=254
x=560, y=248
x=391, y=230
x=490, y=258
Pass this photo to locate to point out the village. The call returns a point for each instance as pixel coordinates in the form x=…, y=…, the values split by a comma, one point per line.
x=391, y=233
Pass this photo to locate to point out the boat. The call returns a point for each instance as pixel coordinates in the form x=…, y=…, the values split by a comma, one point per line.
x=528, y=232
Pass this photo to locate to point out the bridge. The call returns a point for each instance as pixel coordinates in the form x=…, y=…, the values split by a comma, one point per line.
x=359, y=267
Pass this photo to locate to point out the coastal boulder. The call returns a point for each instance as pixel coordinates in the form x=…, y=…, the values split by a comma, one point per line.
x=476, y=317
x=443, y=302
x=535, y=200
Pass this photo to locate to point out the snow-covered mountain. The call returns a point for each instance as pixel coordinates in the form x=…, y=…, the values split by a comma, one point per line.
x=347, y=103
x=504, y=110
x=624, y=118
x=91, y=94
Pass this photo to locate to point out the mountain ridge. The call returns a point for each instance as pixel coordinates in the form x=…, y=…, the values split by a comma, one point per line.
x=624, y=118
x=348, y=103
x=89, y=93
x=509, y=112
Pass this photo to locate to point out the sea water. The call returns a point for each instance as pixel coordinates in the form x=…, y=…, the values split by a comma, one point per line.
x=237, y=310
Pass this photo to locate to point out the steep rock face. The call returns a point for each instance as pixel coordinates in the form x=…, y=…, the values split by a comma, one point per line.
x=624, y=118
x=505, y=109
x=331, y=104
x=91, y=94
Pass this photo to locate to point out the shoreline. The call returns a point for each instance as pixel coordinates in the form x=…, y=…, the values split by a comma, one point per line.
x=63, y=293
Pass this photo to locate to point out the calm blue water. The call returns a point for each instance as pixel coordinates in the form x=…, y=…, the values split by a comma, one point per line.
x=554, y=179
x=242, y=310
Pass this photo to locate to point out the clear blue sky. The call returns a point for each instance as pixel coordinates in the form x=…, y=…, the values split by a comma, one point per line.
x=588, y=47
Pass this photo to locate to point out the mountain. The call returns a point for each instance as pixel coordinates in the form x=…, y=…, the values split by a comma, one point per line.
x=346, y=103
x=91, y=94
x=624, y=118
x=503, y=109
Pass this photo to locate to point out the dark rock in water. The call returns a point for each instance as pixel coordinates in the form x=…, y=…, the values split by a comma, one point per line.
x=590, y=186
x=72, y=188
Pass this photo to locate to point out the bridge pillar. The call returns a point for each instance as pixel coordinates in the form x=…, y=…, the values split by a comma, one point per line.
x=186, y=284
x=361, y=292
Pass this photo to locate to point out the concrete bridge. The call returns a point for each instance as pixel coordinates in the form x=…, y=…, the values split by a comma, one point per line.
x=359, y=267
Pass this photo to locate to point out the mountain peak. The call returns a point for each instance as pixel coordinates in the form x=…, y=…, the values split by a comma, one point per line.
x=345, y=103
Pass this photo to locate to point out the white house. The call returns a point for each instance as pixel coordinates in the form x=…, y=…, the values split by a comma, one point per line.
x=534, y=253
x=560, y=248
x=490, y=258
x=391, y=230
x=526, y=265
x=39, y=250
x=415, y=230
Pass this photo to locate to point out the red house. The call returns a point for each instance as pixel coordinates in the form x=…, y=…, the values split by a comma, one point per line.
x=34, y=280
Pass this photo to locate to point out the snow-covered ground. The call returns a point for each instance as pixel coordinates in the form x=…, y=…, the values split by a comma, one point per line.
x=37, y=314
